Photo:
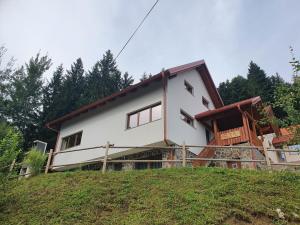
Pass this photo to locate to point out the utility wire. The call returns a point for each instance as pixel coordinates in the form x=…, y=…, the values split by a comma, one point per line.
x=138, y=27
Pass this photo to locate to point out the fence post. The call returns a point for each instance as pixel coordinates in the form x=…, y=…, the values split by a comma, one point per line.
x=105, y=157
x=12, y=165
x=183, y=155
x=49, y=160
x=269, y=166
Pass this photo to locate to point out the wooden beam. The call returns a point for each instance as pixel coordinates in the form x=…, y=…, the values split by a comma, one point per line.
x=216, y=131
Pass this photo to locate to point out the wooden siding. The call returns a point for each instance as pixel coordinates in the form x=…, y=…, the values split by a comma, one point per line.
x=241, y=138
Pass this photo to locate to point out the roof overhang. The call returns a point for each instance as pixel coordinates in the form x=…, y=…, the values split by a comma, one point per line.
x=210, y=114
x=200, y=66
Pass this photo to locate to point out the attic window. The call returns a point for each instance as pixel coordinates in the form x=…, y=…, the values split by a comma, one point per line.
x=189, y=87
x=71, y=141
x=205, y=102
x=187, y=118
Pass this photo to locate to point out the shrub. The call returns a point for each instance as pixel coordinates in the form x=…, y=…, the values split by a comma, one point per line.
x=9, y=148
x=35, y=161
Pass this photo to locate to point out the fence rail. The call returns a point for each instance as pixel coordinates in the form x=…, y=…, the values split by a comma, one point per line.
x=104, y=160
x=184, y=159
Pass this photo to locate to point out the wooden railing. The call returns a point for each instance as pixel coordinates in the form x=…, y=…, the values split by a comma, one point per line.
x=255, y=140
x=232, y=136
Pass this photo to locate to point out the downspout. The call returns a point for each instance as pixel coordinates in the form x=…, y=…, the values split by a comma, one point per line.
x=165, y=85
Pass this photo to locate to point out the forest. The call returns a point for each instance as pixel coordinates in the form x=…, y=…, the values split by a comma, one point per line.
x=28, y=101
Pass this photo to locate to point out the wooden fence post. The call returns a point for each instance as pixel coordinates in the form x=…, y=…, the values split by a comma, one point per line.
x=183, y=155
x=12, y=165
x=49, y=160
x=269, y=166
x=105, y=157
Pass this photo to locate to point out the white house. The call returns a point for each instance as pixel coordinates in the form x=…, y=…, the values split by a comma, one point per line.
x=157, y=111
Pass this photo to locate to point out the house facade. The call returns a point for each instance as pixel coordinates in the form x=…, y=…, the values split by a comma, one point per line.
x=178, y=105
x=156, y=112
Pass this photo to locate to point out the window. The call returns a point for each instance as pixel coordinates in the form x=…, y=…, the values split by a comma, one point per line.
x=294, y=147
x=186, y=118
x=205, y=102
x=71, y=141
x=189, y=87
x=207, y=135
x=143, y=116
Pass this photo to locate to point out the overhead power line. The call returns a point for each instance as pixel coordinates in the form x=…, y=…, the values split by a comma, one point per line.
x=138, y=27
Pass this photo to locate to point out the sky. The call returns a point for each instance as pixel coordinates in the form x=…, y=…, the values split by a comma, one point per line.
x=227, y=34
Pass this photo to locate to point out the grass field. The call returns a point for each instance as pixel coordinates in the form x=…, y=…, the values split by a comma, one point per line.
x=165, y=196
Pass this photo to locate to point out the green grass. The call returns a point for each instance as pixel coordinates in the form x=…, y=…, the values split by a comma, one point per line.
x=165, y=196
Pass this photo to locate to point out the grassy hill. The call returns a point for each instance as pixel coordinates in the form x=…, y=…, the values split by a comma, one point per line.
x=165, y=196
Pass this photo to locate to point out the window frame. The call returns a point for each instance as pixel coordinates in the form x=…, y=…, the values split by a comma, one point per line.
x=187, y=85
x=138, y=115
x=185, y=114
x=68, y=137
x=205, y=102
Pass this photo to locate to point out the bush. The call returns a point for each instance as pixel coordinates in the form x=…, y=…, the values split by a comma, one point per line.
x=9, y=148
x=35, y=161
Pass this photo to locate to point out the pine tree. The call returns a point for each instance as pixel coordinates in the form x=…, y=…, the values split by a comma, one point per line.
x=105, y=79
x=25, y=97
x=126, y=81
x=145, y=76
x=53, y=107
x=73, y=87
x=259, y=84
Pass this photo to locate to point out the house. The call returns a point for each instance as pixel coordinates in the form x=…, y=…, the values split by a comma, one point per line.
x=283, y=141
x=177, y=105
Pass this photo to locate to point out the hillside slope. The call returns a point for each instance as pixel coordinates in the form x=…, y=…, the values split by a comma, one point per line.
x=165, y=196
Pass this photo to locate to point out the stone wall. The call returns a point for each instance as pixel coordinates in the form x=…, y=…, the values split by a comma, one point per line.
x=239, y=154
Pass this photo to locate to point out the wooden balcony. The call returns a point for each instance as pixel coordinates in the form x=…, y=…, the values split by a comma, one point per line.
x=237, y=136
x=232, y=136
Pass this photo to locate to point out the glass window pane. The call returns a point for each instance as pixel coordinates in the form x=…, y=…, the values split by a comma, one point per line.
x=71, y=142
x=156, y=112
x=64, y=144
x=78, y=140
x=144, y=116
x=132, y=120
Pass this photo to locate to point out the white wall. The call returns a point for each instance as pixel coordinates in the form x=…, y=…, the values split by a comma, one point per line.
x=179, y=98
x=289, y=156
x=108, y=123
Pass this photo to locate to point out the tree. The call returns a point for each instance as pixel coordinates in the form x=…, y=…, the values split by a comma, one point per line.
x=234, y=90
x=259, y=84
x=105, y=79
x=73, y=88
x=126, y=81
x=25, y=97
x=145, y=76
x=6, y=76
x=53, y=106
x=288, y=98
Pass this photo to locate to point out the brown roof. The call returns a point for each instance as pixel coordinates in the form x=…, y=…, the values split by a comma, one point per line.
x=286, y=134
x=200, y=66
x=210, y=113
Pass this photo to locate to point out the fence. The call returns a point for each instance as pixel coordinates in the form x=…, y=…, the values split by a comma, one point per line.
x=184, y=159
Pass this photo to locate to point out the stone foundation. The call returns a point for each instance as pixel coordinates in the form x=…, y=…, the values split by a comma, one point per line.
x=239, y=154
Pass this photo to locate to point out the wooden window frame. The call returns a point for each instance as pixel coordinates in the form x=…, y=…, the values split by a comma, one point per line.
x=185, y=114
x=138, y=115
x=68, y=139
x=205, y=102
x=187, y=85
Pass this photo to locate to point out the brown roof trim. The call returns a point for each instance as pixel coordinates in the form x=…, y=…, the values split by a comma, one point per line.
x=209, y=113
x=199, y=65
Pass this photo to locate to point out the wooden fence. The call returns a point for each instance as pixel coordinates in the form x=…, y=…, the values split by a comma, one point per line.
x=184, y=159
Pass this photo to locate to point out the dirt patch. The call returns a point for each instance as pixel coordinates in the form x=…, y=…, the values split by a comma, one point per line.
x=254, y=221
